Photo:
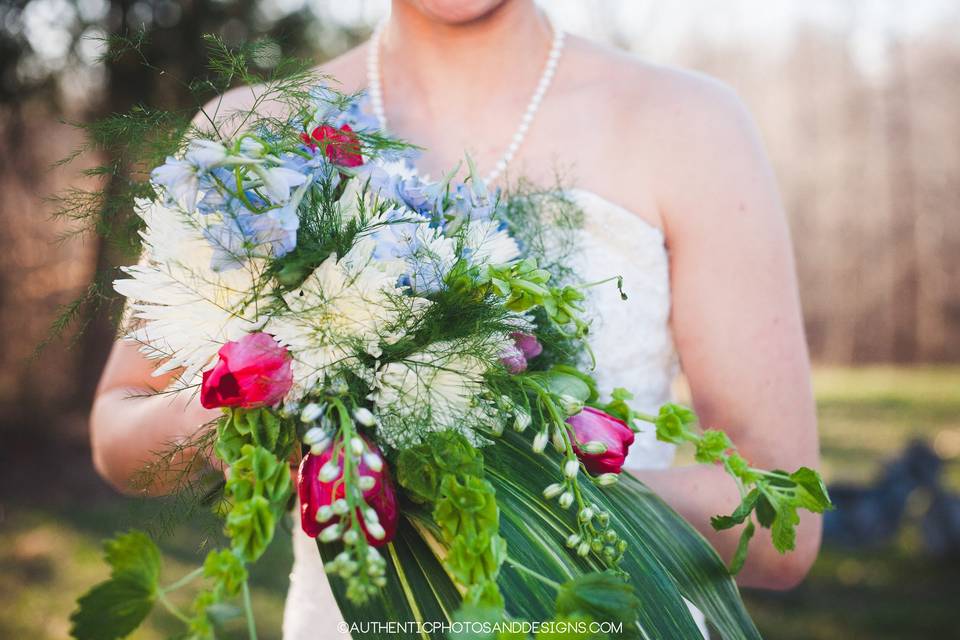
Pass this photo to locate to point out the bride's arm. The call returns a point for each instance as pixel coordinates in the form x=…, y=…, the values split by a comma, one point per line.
x=129, y=428
x=736, y=318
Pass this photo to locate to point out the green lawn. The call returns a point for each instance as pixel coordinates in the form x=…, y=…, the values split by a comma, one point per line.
x=50, y=535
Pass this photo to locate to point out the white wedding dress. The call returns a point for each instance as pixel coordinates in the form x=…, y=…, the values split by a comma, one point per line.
x=634, y=349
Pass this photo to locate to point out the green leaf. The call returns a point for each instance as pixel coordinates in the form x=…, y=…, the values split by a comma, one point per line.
x=815, y=497
x=585, y=378
x=619, y=406
x=739, y=514
x=604, y=596
x=112, y=609
x=560, y=383
x=740, y=555
x=766, y=514
x=784, y=529
x=418, y=474
x=134, y=556
x=115, y=607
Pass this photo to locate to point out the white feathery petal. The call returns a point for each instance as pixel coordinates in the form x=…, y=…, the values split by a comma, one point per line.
x=433, y=390
x=489, y=244
x=344, y=307
x=187, y=310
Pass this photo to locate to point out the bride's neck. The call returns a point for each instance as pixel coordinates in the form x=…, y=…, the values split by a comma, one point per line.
x=462, y=58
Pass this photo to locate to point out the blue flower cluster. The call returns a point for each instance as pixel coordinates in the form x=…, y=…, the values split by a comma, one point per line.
x=252, y=190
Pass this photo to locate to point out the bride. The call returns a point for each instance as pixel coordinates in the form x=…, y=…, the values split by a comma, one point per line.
x=678, y=197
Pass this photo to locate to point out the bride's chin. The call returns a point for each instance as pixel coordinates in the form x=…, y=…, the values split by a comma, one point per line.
x=457, y=11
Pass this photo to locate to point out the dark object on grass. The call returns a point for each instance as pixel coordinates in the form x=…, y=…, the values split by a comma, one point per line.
x=870, y=516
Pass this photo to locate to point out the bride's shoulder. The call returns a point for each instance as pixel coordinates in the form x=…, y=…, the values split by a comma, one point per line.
x=687, y=132
x=653, y=96
x=344, y=73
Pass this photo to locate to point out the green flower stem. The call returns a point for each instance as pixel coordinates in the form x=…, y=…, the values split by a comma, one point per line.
x=172, y=608
x=185, y=580
x=534, y=574
x=248, y=607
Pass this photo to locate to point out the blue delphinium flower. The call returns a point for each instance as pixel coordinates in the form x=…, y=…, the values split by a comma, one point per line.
x=180, y=179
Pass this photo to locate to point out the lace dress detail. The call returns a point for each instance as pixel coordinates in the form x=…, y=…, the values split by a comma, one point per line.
x=634, y=350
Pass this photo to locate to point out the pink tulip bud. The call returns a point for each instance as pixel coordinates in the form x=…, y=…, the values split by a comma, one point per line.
x=594, y=426
x=252, y=372
x=513, y=360
x=528, y=344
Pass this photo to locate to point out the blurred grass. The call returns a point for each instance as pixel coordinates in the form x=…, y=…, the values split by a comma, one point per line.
x=50, y=539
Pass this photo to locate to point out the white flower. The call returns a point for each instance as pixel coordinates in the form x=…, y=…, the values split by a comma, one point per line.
x=343, y=309
x=278, y=181
x=188, y=310
x=432, y=390
x=205, y=154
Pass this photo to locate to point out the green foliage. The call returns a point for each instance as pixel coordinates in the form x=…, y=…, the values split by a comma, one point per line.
x=117, y=606
x=260, y=427
x=673, y=424
x=447, y=473
x=560, y=382
x=601, y=595
x=712, y=445
x=226, y=570
x=259, y=489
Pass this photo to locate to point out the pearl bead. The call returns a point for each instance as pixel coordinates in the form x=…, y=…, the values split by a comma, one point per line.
x=375, y=92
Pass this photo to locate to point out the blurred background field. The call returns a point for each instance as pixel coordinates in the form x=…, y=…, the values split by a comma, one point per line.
x=858, y=103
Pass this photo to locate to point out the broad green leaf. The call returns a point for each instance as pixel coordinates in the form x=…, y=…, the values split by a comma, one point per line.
x=766, y=514
x=583, y=377
x=666, y=557
x=111, y=610
x=115, y=607
x=134, y=556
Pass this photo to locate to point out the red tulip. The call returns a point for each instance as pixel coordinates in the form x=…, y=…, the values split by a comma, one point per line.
x=315, y=493
x=252, y=372
x=341, y=146
x=593, y=425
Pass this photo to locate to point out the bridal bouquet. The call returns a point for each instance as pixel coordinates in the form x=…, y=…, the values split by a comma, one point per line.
x=420, y=351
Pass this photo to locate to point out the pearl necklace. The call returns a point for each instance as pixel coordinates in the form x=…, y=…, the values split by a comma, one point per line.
x=375, y=91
